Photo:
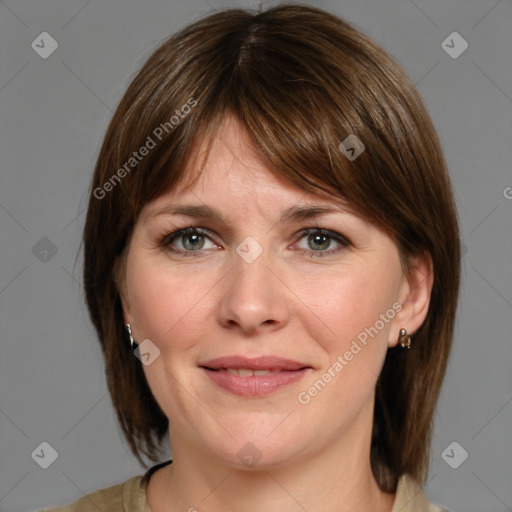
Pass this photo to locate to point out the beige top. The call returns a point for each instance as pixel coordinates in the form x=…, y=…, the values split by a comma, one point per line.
x=130, y=496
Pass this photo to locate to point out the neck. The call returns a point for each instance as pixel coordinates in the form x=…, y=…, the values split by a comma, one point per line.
x=337, y=478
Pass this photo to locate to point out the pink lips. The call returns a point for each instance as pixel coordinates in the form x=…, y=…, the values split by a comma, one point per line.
x=283, y=372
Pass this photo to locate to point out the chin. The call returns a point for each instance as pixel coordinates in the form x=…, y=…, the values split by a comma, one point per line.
x=255, y=449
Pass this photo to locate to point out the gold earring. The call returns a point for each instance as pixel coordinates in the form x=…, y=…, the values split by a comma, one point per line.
x=404, y=339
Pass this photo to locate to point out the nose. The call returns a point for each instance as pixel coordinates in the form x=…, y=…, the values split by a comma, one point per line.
x=254, y=297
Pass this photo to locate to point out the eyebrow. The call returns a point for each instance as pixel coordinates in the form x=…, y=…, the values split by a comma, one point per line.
x=294, y=213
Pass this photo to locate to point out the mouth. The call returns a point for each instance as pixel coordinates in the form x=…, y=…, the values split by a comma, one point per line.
x=252, y=377
x=245, y=372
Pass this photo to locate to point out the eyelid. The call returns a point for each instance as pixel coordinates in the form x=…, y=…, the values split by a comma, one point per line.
x=324, y=231
x=167, y=240
x=176, y=233
x=338, y=238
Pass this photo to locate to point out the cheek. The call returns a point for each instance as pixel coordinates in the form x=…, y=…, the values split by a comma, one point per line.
x=164, y=302
x=345, y=321
x=170, y=309
x=345, y=305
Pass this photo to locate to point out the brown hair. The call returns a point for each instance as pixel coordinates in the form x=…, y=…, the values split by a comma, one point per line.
x=300, y=80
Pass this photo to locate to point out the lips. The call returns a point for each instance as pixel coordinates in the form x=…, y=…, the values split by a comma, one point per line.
x=252, y=377
x=272, y=363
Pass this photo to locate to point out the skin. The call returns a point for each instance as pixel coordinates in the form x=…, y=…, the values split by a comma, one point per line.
x=291, y=302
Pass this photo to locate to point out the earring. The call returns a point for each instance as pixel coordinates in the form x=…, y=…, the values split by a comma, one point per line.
x=129, y=329
x=404, y=339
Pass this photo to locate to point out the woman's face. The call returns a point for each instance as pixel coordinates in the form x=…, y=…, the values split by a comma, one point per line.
x=323, y=290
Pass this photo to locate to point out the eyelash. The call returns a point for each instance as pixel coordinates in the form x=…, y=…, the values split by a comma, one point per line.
x=169, y=238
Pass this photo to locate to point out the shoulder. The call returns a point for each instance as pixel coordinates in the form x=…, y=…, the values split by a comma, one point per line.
x=410, y=497
x=128, y=495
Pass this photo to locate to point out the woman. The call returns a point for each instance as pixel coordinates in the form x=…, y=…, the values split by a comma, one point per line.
x=272, y=268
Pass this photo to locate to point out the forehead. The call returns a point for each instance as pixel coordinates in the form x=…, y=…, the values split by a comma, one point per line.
x=232, y=157
x=233, y=167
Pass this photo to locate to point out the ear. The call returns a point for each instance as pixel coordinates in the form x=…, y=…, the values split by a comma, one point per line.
x=119, y=271
x=414, y=297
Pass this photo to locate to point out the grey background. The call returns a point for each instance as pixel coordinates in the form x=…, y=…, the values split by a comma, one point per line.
x=53, y=114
